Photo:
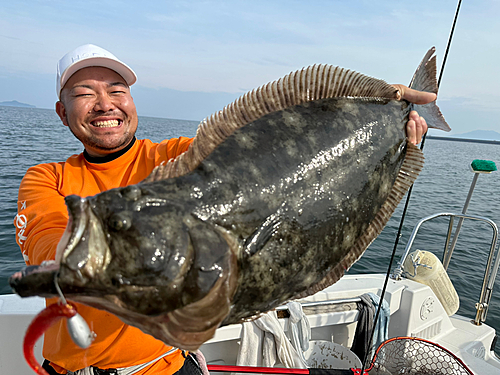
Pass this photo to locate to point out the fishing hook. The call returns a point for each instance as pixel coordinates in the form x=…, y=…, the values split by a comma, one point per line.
x=78, y=328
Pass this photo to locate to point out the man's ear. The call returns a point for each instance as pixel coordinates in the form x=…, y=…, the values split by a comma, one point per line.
x=61, y=112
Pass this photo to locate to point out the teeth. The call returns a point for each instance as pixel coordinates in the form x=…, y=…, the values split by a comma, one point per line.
x=106, y=124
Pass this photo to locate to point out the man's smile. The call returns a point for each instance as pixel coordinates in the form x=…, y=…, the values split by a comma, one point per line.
x=106, y=123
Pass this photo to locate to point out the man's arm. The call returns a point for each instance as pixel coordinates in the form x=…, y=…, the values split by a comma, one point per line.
x=42, y=214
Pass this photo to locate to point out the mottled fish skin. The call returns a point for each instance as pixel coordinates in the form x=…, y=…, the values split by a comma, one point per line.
x=277, y=210
x=333, y=166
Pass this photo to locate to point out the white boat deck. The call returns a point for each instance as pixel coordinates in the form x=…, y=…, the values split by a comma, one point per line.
x=415, y=311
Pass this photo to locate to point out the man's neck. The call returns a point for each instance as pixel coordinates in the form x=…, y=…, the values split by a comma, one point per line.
x=109, y=157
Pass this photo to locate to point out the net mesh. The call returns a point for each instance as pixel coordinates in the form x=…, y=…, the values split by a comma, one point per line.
x=410, y=355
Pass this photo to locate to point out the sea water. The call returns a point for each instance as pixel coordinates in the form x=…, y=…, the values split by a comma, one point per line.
x=32, y=136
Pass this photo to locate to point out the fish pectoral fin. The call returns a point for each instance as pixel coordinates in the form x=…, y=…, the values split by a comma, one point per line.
x=258, y=239
x=211, y=259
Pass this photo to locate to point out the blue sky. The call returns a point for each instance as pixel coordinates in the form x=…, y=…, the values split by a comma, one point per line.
x=194, y=57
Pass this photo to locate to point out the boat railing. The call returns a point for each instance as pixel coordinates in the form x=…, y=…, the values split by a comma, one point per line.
x=323, y=303
x=325, y=306
x=491, y=266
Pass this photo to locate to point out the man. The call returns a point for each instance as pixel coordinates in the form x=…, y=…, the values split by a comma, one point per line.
x=93, y=87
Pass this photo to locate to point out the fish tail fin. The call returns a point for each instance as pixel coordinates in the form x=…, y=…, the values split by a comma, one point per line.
x=424, y=79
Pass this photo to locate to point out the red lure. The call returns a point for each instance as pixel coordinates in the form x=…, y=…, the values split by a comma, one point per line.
x=45, y=318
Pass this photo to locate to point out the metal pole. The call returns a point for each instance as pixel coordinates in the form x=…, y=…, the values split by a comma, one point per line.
x=448, y=238
x=449, y=252
x=488, y=281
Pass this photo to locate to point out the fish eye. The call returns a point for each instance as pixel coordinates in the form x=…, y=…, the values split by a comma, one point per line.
x=120, y=222
x=131, y=192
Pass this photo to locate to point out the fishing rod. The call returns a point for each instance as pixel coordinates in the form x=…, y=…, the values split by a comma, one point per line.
x=403, y=215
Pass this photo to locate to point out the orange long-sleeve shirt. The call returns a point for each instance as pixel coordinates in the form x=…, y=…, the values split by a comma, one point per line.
x=40, y=223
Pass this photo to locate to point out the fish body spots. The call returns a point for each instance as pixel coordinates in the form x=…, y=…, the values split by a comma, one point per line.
x=247, y=141
x=290, y=147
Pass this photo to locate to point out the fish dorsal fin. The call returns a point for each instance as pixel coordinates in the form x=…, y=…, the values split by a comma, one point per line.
x=309, y=84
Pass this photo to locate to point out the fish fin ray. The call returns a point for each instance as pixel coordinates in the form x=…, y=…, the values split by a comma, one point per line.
x=424, y=79
x=312, y=83
x=411, y=168
x=432, y=115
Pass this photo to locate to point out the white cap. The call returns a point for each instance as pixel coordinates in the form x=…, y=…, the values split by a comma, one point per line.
x=90, y=55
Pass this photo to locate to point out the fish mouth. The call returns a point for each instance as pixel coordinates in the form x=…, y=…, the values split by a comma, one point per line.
x=36, y=280
x=78, y=221
x=85, y=254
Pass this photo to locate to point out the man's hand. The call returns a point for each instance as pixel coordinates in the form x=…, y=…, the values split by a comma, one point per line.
x=416, y=126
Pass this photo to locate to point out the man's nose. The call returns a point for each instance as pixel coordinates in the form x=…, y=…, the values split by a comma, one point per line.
x=104, y=103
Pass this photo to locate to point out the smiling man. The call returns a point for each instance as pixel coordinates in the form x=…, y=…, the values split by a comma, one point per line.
x=93, y=87
x=97, y=107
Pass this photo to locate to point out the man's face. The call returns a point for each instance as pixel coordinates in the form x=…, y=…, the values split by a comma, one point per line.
x=97, y=106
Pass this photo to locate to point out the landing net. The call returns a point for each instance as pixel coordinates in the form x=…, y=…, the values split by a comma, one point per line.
x=411, y=355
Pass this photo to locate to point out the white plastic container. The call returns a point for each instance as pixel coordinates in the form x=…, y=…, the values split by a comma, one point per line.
x=424, y=267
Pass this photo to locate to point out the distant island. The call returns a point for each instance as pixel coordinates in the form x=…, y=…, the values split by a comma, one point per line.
x=15, y=103
x=479, y=134
x=476, y=136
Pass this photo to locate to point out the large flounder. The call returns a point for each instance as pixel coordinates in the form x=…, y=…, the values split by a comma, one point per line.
x=278, y=195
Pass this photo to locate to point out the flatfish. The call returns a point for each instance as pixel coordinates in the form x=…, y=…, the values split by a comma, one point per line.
x=277, y=196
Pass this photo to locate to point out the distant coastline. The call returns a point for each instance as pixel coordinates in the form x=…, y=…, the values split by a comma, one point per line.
x=456, y=139
x=15, y=103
